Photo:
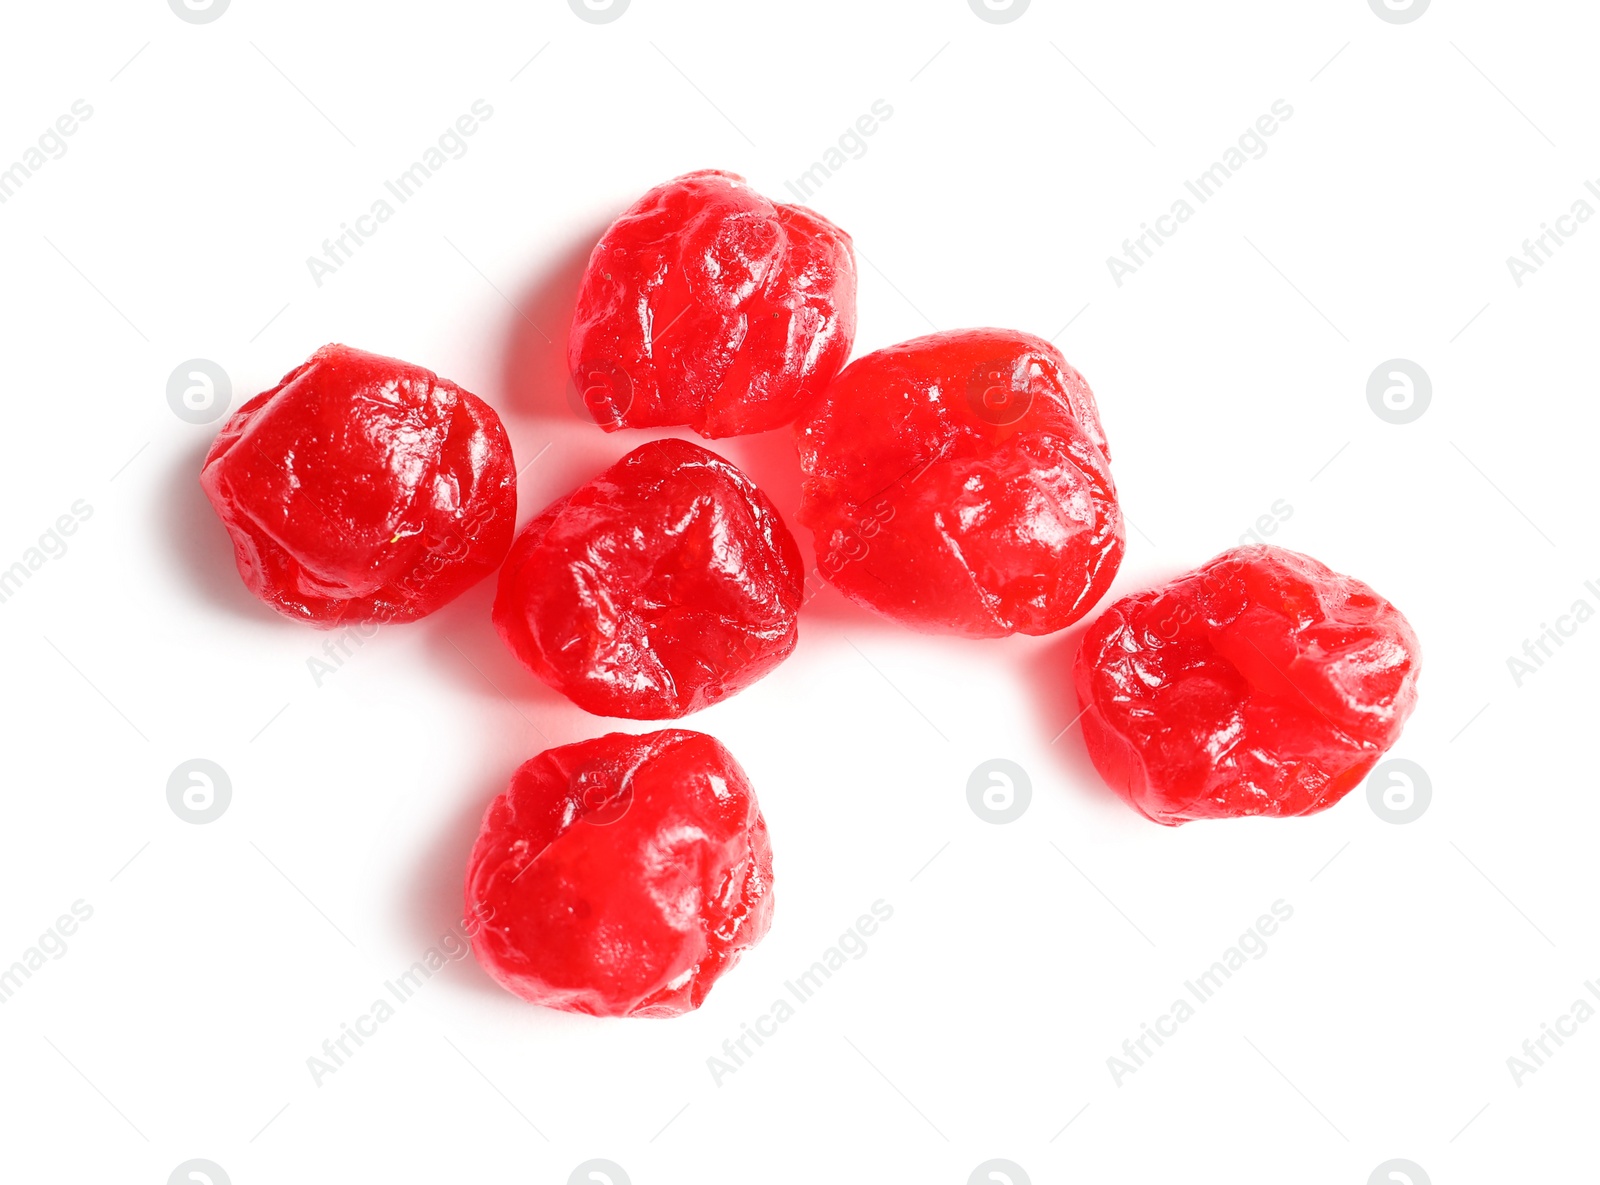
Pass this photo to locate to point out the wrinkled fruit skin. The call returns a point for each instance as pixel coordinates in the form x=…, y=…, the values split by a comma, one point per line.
x=707, y=305
x=621, y=876
x=960, y=483
x=363, y=489
x=1260, y=684
x=665, y=584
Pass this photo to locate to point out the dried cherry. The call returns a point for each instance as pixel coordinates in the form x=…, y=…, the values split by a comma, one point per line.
x=961, y=483
x=661, y=586
x=1260, y=684
x=362, y=488
x=621, y=876
x=706, y=304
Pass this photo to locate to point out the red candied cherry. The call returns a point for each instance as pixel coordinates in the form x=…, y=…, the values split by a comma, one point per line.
x=706, y=304
x=363, y=489
x=665, y=584
x=621, y=876
x=1260, y=684
x=960, y=483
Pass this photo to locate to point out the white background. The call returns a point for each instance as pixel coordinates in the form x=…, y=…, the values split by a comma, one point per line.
x=1231, y=372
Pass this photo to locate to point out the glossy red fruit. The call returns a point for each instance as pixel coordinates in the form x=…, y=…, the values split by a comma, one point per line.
x=621, y=876
x=363, y=489
x=1260, y=684
x=663, y=585
x=706, y=304
x=960, y=483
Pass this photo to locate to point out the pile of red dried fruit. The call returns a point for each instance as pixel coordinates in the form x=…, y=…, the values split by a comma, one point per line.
x=658, y=588
x=958, y=483
x=1259, y=684
x=621, y=876
x=363, y=489
x=707, y=305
